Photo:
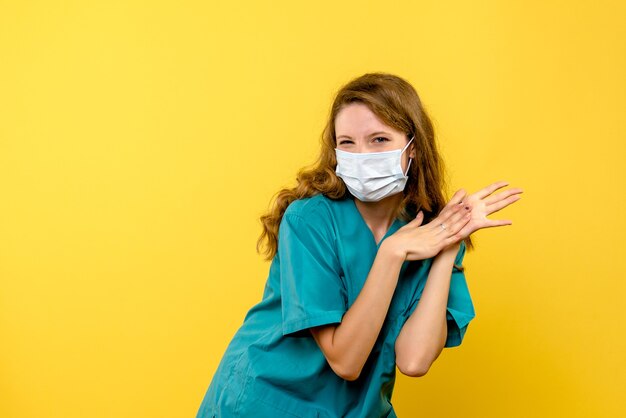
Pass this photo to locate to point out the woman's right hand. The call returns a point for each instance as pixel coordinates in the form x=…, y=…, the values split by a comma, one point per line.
x=415, y=242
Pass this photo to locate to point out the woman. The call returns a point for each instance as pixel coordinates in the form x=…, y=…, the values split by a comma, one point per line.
x=366, y=272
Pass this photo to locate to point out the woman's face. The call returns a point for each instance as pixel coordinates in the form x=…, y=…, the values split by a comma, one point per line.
x=357, y=129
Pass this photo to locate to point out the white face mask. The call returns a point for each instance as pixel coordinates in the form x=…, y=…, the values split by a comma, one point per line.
x=372, y=176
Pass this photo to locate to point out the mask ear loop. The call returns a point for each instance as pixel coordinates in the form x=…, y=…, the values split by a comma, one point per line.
x=410, y=159
x=407, y=144
x=407, y=168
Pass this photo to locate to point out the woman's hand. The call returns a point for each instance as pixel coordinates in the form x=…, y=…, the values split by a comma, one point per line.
x=415, y=242
x=483, y=204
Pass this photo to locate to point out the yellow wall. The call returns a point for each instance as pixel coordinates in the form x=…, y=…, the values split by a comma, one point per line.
x=140, y=141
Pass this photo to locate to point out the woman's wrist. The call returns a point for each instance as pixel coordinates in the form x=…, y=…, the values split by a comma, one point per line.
x=390, y=250
x=450, y=251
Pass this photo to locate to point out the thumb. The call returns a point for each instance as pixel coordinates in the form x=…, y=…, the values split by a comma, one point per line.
x=418, y=219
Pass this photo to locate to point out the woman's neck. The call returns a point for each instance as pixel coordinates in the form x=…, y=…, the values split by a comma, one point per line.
x=380, y=215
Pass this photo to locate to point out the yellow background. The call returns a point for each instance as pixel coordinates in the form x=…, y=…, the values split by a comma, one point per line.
x=140, y=141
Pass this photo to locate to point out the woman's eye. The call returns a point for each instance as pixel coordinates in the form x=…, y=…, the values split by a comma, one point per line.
x=381, y=137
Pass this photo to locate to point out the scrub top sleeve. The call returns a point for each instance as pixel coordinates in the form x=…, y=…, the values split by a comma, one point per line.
x=460, y=309
x=312, y=291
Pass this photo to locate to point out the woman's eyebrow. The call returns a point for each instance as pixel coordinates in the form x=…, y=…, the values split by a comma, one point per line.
x=372, y=134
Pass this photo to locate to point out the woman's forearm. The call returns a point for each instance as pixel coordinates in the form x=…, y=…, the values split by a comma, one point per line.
x=360, y=326
x=423, y=336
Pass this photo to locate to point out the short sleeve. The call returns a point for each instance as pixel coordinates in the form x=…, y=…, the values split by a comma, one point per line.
x=312, y=291
x=460, y=309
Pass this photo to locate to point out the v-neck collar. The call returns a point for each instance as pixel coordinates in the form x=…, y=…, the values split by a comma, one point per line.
x=395, y=225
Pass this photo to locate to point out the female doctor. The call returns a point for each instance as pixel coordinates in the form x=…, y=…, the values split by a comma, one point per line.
x=366, y=270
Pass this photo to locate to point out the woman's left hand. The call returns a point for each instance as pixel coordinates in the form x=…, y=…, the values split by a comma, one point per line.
x=483, y=204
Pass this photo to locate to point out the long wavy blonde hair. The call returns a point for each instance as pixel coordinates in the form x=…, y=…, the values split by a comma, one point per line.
x=396, y=103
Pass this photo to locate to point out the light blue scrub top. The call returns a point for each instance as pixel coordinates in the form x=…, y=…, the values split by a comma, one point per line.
x=274, y=368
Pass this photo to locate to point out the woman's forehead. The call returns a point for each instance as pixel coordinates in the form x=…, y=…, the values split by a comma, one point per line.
x=358, y=120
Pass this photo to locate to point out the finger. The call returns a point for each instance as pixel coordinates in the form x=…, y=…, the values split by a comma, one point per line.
x=417, y=221
x=445, y=216
x=502, y=195
x=457, y=197
x=465, y=231
x=459, y=221
x=454, y=201
x=458, y=218
x=494, y=207
x=452, y=240
x=491, y=188
x=497, y=222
